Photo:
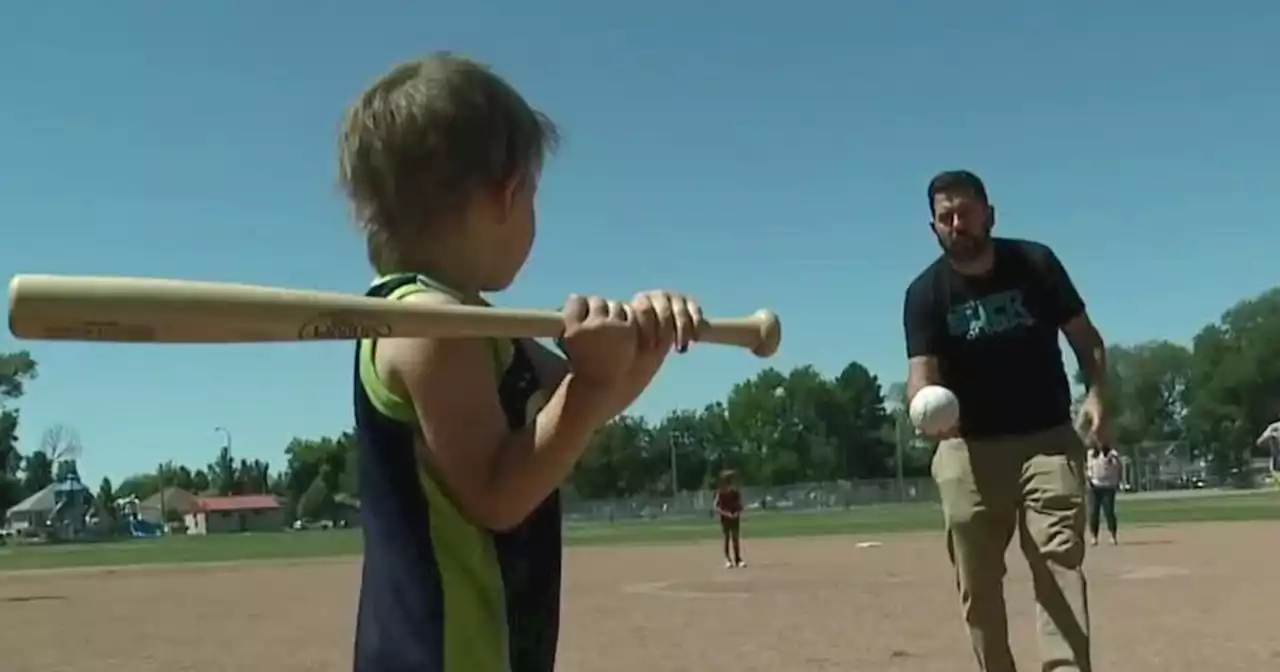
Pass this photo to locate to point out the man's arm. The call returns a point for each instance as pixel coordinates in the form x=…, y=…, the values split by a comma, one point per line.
x=920, y=327
x=1090, y=351
x=1067, y=310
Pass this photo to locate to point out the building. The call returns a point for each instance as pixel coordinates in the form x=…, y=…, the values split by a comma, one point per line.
x=167, y=505
x=64, y=508
x=238, y=513
x=32, y=512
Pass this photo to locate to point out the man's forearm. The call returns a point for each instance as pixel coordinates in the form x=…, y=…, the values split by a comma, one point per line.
x=1091, y=357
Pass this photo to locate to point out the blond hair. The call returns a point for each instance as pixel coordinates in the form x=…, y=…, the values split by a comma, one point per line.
x=424, y=140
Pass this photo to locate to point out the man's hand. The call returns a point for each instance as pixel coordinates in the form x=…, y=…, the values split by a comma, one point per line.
x=952, y=432
x=1093, y=419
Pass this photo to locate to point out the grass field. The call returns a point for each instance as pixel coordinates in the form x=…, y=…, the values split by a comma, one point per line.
x=885, y=519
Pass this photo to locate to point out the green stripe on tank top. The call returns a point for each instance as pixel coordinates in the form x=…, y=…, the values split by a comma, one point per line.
x=475, y=624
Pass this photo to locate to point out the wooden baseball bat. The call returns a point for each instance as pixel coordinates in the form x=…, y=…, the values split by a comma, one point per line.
x=153, y=310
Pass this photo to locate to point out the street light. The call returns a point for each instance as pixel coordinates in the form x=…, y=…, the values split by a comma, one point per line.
x=226, y=433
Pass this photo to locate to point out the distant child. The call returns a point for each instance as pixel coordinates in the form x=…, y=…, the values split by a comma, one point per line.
x=728, y=505
x=465, y=442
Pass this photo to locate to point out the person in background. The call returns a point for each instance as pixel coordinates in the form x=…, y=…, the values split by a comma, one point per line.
x=1106, y=472
x=1270, y=438
x=729, y=509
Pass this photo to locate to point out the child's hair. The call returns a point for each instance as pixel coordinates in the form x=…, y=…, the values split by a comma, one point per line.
x=423, y=140
x=726, y=477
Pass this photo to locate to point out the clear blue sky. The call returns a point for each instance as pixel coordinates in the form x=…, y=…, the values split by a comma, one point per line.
x=750, y=155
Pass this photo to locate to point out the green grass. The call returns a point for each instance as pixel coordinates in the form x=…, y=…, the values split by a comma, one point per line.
x=885, y=519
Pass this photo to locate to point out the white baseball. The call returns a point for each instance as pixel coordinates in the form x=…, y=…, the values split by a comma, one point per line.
x=934, y=409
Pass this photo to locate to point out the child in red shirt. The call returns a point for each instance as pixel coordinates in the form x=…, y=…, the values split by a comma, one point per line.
x=729, y=509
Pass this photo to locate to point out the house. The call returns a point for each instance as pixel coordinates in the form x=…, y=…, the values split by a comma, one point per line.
x=167, y=505
x=66, y=507
x=237, y=513
x=32, y=512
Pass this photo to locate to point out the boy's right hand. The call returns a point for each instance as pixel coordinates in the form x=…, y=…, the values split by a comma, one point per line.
x=600, y=340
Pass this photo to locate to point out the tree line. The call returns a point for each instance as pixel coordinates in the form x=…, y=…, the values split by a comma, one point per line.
x=1211, y=397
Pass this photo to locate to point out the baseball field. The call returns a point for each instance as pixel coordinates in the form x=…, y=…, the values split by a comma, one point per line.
x=867, y=589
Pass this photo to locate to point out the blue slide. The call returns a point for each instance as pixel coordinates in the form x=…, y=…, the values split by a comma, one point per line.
x=141, y=528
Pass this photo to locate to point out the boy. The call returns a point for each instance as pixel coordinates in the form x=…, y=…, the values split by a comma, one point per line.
x=729, y=508
x=464, y=442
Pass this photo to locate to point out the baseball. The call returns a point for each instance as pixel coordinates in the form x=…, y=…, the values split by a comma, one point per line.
x=934, y=409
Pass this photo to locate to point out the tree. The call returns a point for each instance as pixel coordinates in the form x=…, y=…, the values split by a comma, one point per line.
x=60, y=442
x=1234, y=384
x=253, y=477
x=16, y=369
x=757, y=417
x=37, y=472
x=141, y=486
x=65, y=470
x=222, y=472
x=200, y=482
x=618, y=461
x=682, y=439
x=349, y=483
x=308, y=459
x=316, y=501
x=106, y=498
x=173, y=475
x=856, y=415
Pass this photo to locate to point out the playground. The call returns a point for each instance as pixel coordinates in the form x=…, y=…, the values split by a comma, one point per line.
x=1173, y=596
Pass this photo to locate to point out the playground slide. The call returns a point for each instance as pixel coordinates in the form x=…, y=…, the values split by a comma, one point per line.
x=142, y=528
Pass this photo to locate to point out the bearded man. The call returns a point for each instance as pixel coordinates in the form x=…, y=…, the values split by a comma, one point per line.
x=983, y=321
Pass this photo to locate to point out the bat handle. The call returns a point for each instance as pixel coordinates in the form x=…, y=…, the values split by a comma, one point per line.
x=761, y=333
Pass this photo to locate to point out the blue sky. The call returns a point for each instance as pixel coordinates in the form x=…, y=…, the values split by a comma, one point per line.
x=750, y=155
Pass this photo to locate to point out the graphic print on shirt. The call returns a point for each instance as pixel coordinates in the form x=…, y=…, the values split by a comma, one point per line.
x=993, y=314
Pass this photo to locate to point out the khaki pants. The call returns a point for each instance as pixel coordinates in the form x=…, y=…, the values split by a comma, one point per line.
x=1034, y=485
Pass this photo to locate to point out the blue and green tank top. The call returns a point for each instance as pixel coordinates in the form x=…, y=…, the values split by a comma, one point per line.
x=439, y=594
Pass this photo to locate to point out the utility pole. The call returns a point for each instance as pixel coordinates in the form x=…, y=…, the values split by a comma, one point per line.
x=899, y=448
x=675, y=483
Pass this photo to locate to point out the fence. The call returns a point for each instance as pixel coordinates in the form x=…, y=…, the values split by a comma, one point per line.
x=795, y=497
x=1158, y=469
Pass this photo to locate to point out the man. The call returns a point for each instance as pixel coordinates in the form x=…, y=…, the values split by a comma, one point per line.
x=983, y=320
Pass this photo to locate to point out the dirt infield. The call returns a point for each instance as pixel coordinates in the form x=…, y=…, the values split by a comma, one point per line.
x=1191, y=597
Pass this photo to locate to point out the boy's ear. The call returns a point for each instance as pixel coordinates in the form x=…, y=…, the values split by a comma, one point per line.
x=513, y=188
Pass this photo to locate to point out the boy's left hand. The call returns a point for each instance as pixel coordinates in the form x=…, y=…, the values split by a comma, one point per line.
x=666, y=321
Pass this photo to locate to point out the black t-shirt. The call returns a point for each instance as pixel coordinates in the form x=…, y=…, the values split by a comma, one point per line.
x=996, y=337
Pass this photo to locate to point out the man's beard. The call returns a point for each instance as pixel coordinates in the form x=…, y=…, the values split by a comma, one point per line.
x=966, y=247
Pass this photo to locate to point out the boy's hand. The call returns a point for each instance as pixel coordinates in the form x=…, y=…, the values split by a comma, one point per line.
x=616, y=349
x=666, y=320
x=600, y=340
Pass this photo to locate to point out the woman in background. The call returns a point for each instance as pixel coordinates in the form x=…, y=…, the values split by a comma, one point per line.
x=1105, y=474
x=729, y=509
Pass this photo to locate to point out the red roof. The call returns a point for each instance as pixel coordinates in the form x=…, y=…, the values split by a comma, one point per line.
x=238, y=503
